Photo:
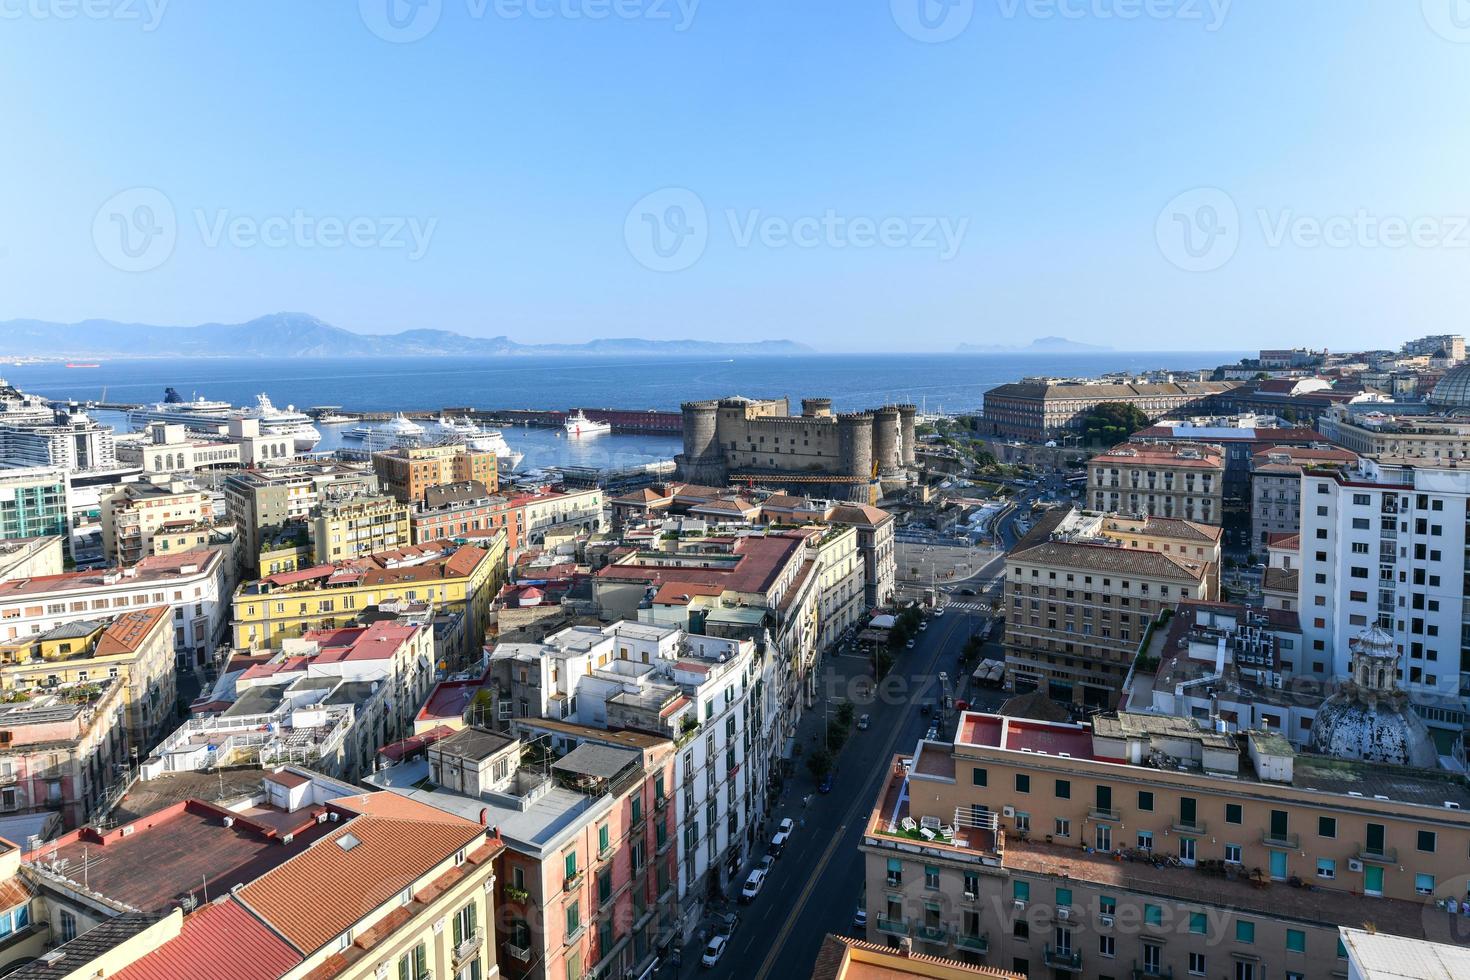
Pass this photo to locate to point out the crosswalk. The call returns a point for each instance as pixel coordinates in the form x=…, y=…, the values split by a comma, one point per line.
x=969, y=606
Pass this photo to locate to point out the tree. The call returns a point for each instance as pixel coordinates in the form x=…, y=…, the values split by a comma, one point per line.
x=1112, y=422
x=819, y=763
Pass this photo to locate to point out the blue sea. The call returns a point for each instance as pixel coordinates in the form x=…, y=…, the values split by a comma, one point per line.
x=936, y=382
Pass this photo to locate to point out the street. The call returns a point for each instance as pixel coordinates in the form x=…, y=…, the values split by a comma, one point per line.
x=817, y=881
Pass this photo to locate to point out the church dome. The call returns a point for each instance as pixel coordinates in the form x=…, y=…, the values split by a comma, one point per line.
x=1453, y=390
x=1369, y=718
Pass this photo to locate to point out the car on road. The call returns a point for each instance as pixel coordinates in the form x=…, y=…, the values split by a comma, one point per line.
x=752, y=886
x=766, y=863
x=939, y=611
x=725, y=923
x=825, y=786
x=863, y=722
x=933, y=734
x=909, y=645
x=924, y=708
x=860, y=920
x=714, y=951
x=967, y=591
x=924, y=626
x=786, y=826
x=778, y=844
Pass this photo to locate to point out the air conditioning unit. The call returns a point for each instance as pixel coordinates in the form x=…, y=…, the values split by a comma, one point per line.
x=1064, y=913
x=1018, y=905
x=1354, y=864
x=969, y=896
x=1105, y=920
x=1009, y=811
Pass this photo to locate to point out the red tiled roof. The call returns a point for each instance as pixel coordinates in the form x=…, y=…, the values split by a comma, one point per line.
x=127, y=632
x=221, y=941
x=397, y=751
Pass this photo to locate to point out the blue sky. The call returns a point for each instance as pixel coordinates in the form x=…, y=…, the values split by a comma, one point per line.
x=824, y=170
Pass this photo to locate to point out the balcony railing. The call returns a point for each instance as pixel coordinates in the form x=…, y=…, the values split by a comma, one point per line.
x=976, y=944
x=1181, y=826
x=932, y=934
x=1272, y=839
x=1063, y=958
x=894, y=927
x=522, y=953
x=1384, y=855
x=468, y=948
x=1103, y=813
x=573, y=880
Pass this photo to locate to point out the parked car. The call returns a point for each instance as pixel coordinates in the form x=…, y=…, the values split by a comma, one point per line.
x=939, y=611
x=752, y=886
x=864, y=722
x=860, y=920
x=825, y=786
x=714, y=951
x=725, y=923
x=786, y=826
x=924, y=708
x=909, y=644
x=766, y=863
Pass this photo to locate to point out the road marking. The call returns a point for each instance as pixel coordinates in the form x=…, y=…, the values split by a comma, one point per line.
x=864, y=799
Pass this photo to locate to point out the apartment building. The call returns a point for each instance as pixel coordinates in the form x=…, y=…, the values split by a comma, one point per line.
x=1383, y=543
x=134, y=646
x=61, y=748
x=1039, y=409
x=841, y=582
x=1079, y=599
x=195, y=585
x=453, y=578
x=70, y=441
x=1184, y=481
x=345, y=527
x=1171, y=536
x=262, y=501
x=327, y=701
x=34, y=501
x=587, y=880
x=1029, y=845
x=306, y=877
x=134, y=512
x=707, y=694
x=408, y=472
x=467, y=511
x=1390, y=433
x=1276, y=488
x=31, y=557
x=875, y=545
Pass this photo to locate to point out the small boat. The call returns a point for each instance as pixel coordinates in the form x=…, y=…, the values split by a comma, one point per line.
x=71, y=365
x=578, y=424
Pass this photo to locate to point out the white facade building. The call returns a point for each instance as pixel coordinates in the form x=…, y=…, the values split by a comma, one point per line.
x=1384, y=543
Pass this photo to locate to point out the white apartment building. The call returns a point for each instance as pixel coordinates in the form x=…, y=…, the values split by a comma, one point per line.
x=841, y=583
x=1385, y=542
x=711, y=695
x=196, y=584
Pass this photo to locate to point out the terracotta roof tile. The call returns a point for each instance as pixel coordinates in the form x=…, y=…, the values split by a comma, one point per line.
x=221, y=941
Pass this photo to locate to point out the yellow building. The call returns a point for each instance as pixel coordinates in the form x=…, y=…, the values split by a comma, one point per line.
x=456, y=578
x=137, y=646
x=358, y=525
x=135, y=512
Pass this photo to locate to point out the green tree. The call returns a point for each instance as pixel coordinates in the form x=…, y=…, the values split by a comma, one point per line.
x=1112, y=422
x=819, y=763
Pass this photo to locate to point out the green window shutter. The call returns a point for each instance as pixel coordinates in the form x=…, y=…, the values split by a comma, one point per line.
x=458, y=929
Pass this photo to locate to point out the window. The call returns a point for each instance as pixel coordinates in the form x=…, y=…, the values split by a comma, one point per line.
x=1152, y=957
x=1232, y=853
x=1107, y=905
x=1064, y=789
x=1023, y=783
x=603, y=842
x=1105, y=946
x=68, y=926
x=571, y=865
x=980, y=776
x=574, y=919
x=1196, y=964
x=1198, y=923
x=895, y=872
x=1021, y=891
x=414, y=964
x=1326, y=868
x=1296, y=941
x=1426, y=841
x=1146, y=840
x=1245, y=932
x=1424, y=884
x=1327, y=827
x=1063, y=827
x=931, y=877
x=1153, y=915
x=1232, y=813
x=1064, y=898
x=1145, y=800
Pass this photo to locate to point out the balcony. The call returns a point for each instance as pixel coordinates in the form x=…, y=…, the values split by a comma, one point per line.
x=932, y=934
x=894, y=927
x=660, y=803
x=1385, y=855
x=468, y=949
x=1180, y=826
x=1104, y=813
x=975, y=944
x=1289, y=841
x=572, y=881
x=1062, y=958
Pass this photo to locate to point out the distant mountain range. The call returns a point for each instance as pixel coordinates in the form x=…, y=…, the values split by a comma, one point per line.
x=1041, y=345
x=303, y=335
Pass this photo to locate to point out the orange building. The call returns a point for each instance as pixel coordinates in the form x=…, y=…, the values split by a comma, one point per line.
x=408, y=472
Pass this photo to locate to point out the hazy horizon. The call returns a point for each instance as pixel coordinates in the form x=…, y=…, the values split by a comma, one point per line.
x=896, y=174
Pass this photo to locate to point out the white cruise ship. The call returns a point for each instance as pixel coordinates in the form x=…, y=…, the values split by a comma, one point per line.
x=396, y=433
x=197, y=413
x=285, y=422
x=480, y=439
x=578, y=424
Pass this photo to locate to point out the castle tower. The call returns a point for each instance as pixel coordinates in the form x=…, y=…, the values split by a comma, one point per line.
x=814, y=408
x=702, y=460
x=886, y=439
x=906, y=449
x=855, y=451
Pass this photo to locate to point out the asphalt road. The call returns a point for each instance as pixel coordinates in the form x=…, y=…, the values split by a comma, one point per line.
x=815, y=887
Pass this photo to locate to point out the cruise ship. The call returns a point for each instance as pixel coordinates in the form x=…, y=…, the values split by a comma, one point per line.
x=20, y=408
x=285, y=422
x=396, y=433
x=198, y=413
x=578, y=424
x=480, y=439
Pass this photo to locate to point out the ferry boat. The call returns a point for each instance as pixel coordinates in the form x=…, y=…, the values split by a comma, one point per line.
x=396, y=433
x=578, y=424
x=285, y=422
